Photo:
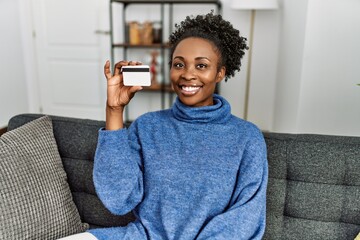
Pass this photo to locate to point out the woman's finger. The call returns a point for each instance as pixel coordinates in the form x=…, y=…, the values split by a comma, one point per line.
x=107, y=70
x=118, y=66
x=135, y=89
x=132, y=90
x=134, y=63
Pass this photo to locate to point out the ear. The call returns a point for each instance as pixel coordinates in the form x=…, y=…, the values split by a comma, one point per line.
x=221, y=74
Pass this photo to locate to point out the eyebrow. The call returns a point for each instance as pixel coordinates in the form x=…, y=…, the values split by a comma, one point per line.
x=197, y=58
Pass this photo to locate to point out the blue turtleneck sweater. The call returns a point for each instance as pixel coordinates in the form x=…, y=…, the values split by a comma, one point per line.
x=187, y=173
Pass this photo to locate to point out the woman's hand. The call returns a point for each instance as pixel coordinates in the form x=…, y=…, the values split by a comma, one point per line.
x=118, y=95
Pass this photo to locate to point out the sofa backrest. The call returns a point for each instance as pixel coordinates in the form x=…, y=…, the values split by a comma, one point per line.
x=313, y=190
x=314, y=187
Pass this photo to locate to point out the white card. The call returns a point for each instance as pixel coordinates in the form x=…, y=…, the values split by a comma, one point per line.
x=138, y=75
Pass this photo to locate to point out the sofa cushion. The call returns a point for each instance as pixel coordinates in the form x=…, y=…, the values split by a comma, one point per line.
x=314, y=186
x=35, y=198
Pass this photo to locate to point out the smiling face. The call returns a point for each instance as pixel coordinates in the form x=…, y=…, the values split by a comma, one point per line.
x=194, y=71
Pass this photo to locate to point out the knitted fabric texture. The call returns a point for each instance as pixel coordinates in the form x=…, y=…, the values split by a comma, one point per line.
x=187, y=173
x=35, y=198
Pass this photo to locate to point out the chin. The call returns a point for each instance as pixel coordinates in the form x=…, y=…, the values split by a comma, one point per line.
x=195, y=102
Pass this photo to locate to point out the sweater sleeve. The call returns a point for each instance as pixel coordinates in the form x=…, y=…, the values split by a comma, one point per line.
x=117, y=173
x=245, y=217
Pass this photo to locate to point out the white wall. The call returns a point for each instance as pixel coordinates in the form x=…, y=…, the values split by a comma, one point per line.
x=263, y=69
x=291, y=47
x=329, y=97
x=13, y=95
x=319, y=68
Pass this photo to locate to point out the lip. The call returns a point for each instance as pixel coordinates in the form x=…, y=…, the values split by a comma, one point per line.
x=189, y=90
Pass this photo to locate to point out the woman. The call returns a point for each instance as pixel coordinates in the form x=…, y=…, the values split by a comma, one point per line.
x=193, y=171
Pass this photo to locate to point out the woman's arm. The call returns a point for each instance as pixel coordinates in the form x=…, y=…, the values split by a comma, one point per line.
x=117, y=171
x=118, y=176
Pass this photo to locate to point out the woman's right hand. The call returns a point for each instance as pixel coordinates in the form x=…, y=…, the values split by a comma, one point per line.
x=118, y=95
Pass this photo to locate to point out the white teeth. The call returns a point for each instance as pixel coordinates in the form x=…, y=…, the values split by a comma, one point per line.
x=190, y=88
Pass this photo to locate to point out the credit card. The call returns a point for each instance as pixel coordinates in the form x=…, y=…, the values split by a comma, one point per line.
x=138, y=75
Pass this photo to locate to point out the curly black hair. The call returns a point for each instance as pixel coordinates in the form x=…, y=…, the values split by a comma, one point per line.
x=221, y=33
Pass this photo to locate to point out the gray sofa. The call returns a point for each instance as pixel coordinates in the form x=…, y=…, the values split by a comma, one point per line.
x=313, y=191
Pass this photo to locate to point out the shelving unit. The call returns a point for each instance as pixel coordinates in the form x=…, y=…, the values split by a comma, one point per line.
x=164, y=88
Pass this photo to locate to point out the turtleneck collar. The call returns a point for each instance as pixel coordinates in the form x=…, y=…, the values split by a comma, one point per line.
x=220, y=112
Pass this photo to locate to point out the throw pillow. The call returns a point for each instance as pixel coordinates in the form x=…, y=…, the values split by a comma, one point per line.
x=35, y=198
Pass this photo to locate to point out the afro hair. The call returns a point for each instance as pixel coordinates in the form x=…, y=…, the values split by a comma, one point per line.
x=221, y=33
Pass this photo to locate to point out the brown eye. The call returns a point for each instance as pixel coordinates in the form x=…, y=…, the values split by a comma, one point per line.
x=201, y=66
x=178, y=65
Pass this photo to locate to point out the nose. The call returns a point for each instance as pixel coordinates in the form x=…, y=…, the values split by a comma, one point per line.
x=188, y=74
